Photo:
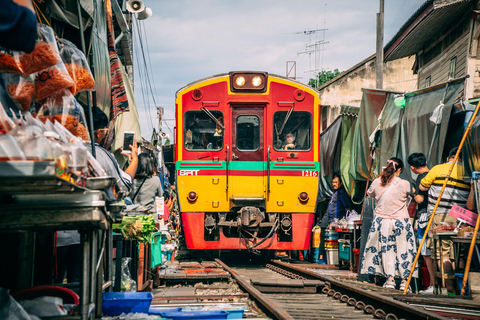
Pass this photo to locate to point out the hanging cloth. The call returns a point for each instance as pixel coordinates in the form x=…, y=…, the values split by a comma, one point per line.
x=119, y=96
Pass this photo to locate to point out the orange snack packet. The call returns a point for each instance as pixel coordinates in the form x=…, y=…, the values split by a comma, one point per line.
x=45, y=54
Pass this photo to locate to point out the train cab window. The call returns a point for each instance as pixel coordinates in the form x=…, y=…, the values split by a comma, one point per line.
x=292, y=130
x=248, y=133
x=201, y=132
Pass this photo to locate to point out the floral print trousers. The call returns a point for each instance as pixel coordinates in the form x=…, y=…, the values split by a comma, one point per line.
x=390, y=249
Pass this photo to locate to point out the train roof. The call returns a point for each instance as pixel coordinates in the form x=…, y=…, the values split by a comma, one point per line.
x=228, y=73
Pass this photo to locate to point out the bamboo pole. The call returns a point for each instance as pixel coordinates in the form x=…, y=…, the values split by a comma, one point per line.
x=440, y=198
x=470, y=251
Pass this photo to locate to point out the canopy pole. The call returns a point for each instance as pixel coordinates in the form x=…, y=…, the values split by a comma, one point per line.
x=368, y=181
x=89, y=101
x=438, y=202
x=472, y=245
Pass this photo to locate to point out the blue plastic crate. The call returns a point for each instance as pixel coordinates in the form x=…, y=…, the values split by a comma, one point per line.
x=183, y=315
x=160, y=310
x=115, y=303
x=343, y=250
x=234, y=312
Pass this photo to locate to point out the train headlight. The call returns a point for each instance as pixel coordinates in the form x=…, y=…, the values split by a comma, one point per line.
x=192, y=196
x=303, y=197
x=248, y=81
x=257, y=81
x=240, y=81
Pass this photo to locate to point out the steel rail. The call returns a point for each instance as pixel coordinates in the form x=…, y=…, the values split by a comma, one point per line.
x=369, y=298
x=270, y=305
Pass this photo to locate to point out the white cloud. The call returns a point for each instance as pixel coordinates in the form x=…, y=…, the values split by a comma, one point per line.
x=189, y=40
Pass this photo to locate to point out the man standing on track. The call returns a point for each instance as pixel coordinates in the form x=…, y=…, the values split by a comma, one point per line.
x=456, y=192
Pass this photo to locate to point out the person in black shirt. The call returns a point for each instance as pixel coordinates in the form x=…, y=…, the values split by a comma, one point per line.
x=418, y=165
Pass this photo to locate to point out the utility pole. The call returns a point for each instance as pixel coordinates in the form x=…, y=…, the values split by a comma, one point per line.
x=379, y=57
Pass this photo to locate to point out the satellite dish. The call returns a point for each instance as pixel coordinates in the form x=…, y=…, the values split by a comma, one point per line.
x=135, y=6
x=145, y=14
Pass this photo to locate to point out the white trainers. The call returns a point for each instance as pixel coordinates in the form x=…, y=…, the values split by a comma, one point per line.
x=402, y=286
x=429, y=290
x=389, y=284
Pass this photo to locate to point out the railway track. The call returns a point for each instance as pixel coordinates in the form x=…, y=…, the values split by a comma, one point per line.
x=292, y=292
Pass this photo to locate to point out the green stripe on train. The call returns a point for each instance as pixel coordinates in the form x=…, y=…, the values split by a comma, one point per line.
x=248, y=165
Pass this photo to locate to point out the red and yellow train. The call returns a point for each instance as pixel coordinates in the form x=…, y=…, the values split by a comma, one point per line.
x=246, y=160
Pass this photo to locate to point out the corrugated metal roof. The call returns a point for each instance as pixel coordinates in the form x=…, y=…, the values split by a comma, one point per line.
x=428, y=23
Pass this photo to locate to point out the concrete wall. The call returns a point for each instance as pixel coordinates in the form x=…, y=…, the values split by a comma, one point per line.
x=347, y=89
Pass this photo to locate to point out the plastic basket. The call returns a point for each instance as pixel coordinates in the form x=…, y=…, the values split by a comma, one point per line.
x=332, y=255
x=344, y=249
x=116, y=303
x=331, y=234
x=156, y=250
x=333, y=245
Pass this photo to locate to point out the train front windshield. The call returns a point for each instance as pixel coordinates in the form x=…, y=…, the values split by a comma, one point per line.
x=202, y=132
x=292, y=130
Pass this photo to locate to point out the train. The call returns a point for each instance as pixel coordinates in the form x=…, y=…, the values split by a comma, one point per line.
x=247, y=162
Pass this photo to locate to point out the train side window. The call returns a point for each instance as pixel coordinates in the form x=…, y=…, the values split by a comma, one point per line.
x=292, y=130
x=247, y=133
x=201, y=132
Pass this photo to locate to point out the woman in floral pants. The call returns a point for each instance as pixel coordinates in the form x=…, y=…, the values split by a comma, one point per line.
x=390, y=248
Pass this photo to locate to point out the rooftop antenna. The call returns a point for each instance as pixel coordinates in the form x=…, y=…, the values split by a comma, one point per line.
x=309, y=51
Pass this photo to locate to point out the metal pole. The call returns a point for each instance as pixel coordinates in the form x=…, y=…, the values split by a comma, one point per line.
x=472, y=244
x=89, y=102
x=379, y=56
x=440, y=198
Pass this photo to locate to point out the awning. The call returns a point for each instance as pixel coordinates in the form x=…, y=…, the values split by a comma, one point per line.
x=424, y=26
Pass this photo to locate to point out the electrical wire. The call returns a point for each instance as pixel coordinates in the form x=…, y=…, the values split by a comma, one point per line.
x=143, y=75
x=147, y=73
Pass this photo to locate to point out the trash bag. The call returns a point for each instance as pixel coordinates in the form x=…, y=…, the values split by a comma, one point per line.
x=11, y=309
x=352, y=216
x=128, y=284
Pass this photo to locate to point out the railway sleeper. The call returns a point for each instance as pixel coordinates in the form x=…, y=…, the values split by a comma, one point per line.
x=375, y=300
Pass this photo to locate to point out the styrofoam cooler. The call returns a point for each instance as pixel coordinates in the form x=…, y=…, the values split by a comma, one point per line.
x=332, y=255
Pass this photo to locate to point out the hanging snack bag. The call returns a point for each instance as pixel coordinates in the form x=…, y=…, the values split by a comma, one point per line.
x=20, y=89
x=10, y=61
x=45, y=54
x=6, y=124
x=77, y=67
x=64, y=108
x=52, y=80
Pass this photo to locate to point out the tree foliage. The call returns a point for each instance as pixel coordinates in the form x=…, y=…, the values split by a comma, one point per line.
x=323, y=77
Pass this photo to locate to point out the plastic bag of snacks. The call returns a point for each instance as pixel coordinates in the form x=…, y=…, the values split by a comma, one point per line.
x=52, y=80
x=45, y=54
x=20, y=89
x=77, y=67
x=6, y=124
x=10, y=62
x=64, y=108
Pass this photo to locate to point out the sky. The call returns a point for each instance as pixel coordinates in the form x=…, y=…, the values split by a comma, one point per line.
x=187, y=40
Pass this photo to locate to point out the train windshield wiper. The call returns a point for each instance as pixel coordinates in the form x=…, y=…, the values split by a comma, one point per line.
x=289, y=112
x=213, y=117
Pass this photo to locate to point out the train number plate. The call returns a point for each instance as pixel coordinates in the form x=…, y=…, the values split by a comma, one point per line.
x=306, y=173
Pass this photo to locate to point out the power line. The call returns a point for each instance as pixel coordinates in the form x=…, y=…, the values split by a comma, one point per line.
x=142, y=87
